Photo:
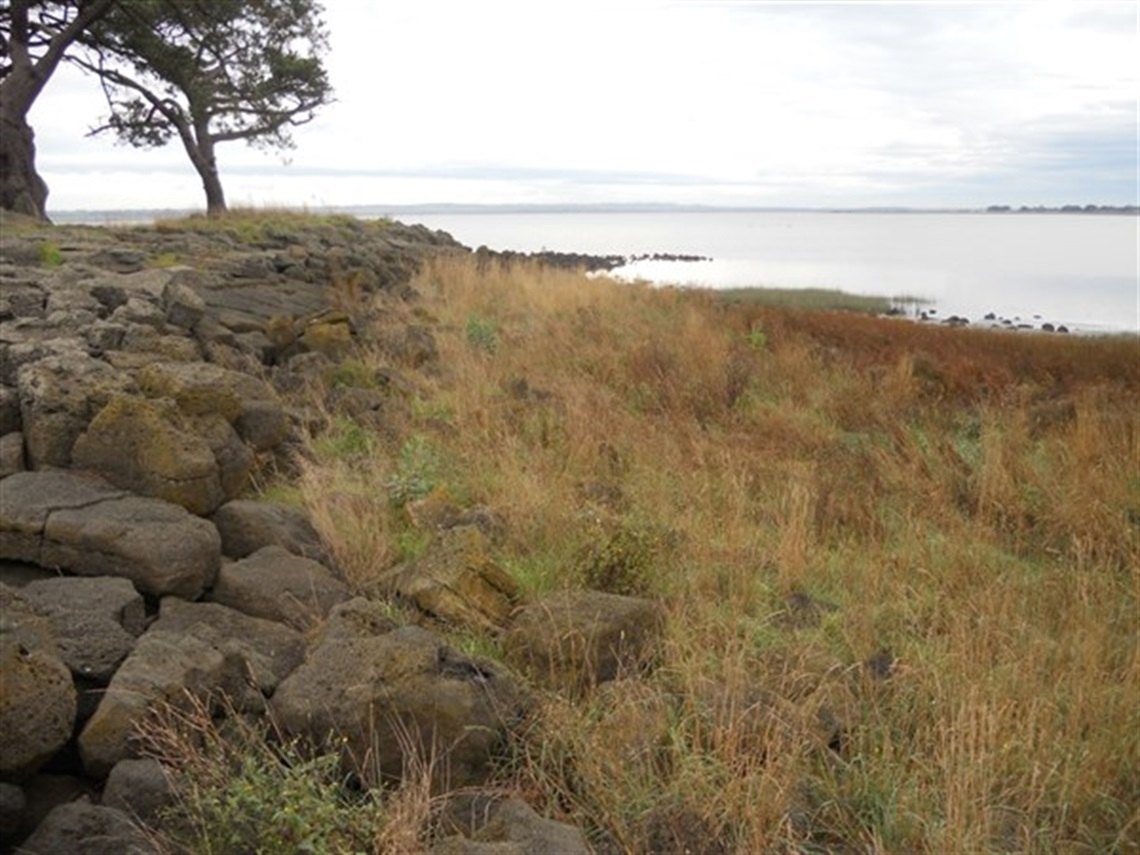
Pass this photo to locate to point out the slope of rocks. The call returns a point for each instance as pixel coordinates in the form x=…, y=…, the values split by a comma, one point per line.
x=146, y=375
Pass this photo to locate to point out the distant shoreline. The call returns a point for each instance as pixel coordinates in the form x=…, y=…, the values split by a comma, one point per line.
x=136, y=215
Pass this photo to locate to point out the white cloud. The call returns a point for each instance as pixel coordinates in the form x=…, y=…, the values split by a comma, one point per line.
x=765, y=103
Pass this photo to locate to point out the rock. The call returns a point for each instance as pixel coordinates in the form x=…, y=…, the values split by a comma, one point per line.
x=83, y=524
x=11, y=454
x=488, y=824
x=97, y=621
x=274, y=584
x=12, y=807
x=164, y=668
x=197, y=388
x=269, y=650
x=457, y=581
x=9, y=410
x=58, y=398
x=235, y=460
x=263, y=422
x=571, y=639
x=139, y=788
x=38, y=702
x=45, y=792
x=181, y=303
x=388, y=700
x=247, y=525
x=142, y=446
x=81, y=828
x=205, y=389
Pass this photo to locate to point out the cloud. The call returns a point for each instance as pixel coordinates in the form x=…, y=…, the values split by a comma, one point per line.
x=771, y=103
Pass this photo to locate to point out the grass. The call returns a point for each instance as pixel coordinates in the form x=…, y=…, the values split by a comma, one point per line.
x=250, y=225
x=826, y=299
x=900, y=563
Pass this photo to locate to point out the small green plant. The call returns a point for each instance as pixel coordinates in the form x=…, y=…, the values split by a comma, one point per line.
x=352, y=373
x=757, y=339
x=163, y=260
x=50, y=254
x=346, y=438
x=418, y=472
x=622, y=560
x=240, y=791
x=482, y=333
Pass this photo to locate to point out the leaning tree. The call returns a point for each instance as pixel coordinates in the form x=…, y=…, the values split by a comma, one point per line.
x=35, y=36
x=209, y=71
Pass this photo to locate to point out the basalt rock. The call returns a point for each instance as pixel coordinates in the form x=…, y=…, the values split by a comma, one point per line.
x=38, y=700
x=569, y=640
x=82, y=524
x=401, y=697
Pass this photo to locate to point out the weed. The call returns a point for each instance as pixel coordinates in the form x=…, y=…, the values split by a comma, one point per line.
x=163, y=260
x=50, y=254
x=482, y=334
x=346, y=438
x=418, y=472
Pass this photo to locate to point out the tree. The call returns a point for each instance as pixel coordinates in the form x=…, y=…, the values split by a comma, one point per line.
x=34, y=38
x=209, y=71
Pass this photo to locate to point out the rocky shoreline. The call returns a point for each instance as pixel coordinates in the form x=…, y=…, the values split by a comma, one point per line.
x=147, y=375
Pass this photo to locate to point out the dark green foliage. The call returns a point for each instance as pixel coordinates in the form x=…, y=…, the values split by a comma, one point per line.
x=209, y=72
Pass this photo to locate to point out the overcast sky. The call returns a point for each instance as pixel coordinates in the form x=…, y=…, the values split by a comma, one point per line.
x=957, y=104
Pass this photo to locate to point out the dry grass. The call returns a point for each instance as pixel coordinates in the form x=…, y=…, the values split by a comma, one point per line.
x=900, y=562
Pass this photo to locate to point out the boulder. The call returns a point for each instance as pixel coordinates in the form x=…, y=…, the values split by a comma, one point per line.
x=81, y=828
x=277, y=585
x=457, y=581
x=59, y=396
x=488, y=824
x=165, y=668
x=569, y=640
x=397, y=699
x=97, y=620
x=145, y=447
x=82, y=524
x=139, y=788
x=38, y=701
x=247, y=526
x=269, y=650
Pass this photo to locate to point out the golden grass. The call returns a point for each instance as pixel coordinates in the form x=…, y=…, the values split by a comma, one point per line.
x=901, y=563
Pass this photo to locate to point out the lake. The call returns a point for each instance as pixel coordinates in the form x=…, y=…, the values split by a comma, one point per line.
x=1081, y=270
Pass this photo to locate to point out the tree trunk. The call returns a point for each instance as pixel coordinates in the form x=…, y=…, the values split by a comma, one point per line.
x=200, y=146
x=21, y=188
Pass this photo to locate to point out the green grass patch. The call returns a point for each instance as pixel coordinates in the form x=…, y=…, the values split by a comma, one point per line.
x=827, y=299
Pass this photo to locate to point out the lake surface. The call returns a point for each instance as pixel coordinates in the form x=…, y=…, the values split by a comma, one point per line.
x=1081, y=270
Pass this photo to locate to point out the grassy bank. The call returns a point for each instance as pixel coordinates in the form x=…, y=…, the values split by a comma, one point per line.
x=900, y=563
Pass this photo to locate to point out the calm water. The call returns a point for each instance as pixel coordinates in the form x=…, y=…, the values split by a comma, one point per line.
x=1078, y=270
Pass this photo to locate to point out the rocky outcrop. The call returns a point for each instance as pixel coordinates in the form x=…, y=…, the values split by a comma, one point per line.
x=138, y=398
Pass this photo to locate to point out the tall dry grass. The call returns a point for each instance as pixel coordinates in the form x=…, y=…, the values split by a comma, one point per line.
x=900, y=563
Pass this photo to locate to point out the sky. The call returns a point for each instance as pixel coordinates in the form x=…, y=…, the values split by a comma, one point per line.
x=708, y=102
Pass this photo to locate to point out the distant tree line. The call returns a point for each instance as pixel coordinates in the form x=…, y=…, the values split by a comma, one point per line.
x=1064, y=209
x=202, y=71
